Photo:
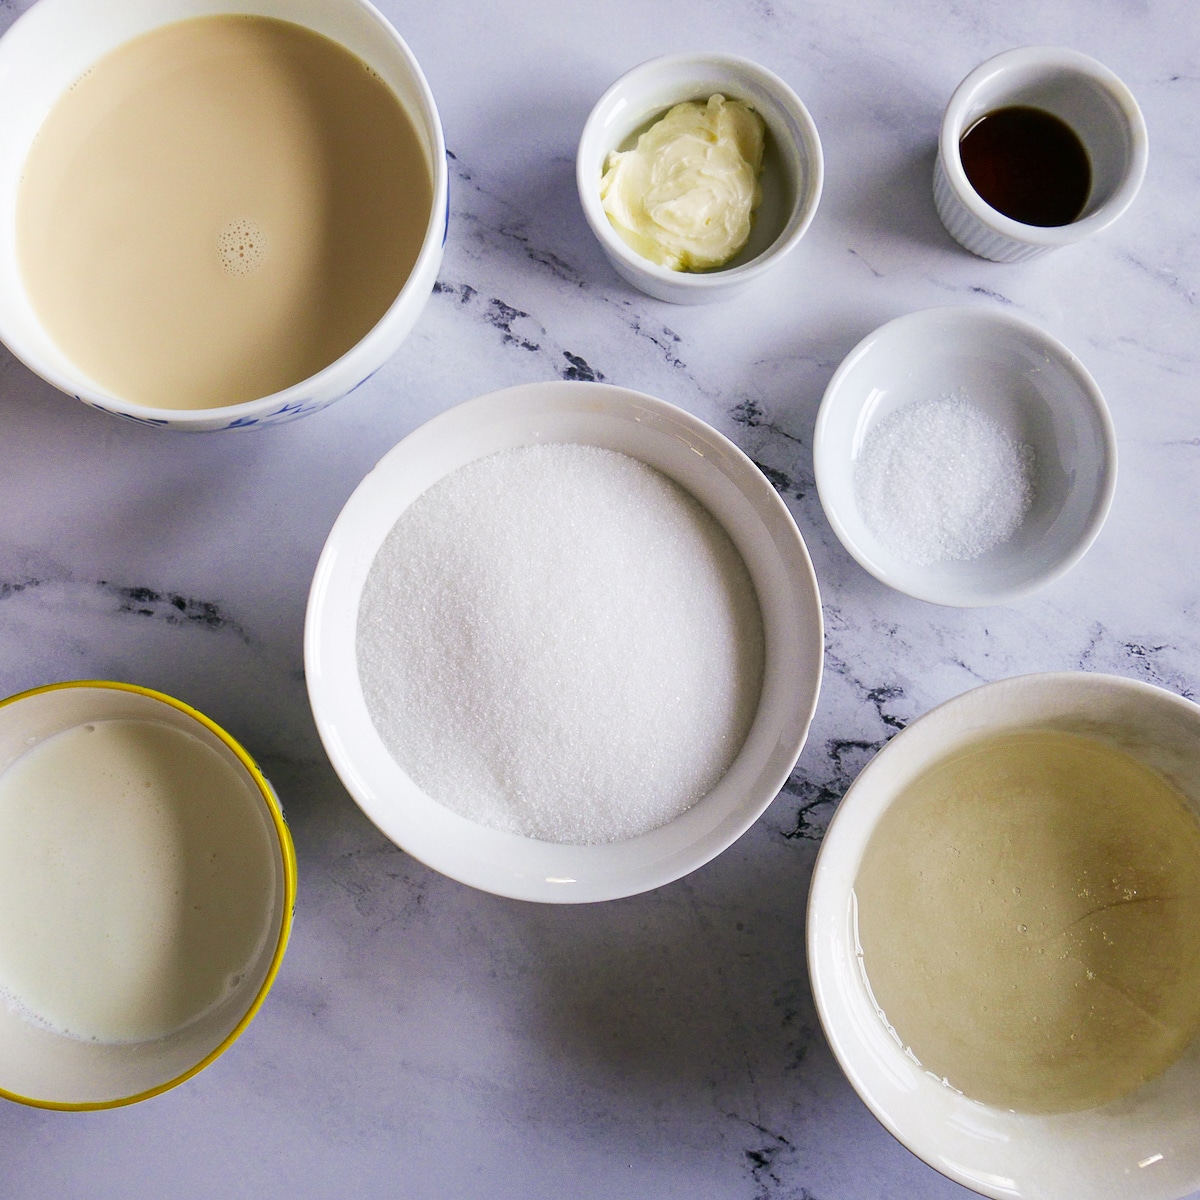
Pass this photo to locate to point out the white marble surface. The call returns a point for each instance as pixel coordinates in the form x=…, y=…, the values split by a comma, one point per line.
x=426, y=1041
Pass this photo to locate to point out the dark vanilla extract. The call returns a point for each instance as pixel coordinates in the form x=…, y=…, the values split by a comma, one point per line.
x=1027, y=164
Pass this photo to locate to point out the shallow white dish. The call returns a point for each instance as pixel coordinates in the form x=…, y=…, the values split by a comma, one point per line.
x=1028, y=383
x=792, y=176
x=1140, y=1147
x=52, y=44
x=41, y=1067
x=724, y=480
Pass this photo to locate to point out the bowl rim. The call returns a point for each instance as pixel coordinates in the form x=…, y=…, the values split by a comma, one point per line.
x=825, y=895
x=804, y=208
x=1044, y=236
x=655, y=864
x=287, y=852
x=296, y=397
x=912, y=325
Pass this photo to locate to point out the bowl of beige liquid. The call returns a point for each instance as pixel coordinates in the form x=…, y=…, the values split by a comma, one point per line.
x=1004, y=939
x=147, y=881
x=214, y=219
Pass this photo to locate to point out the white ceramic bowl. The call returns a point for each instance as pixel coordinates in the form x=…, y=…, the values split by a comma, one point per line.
x=43, y=1068
x=52, y=44
x=792, y=176
x=1143, y=1146
x=734, y=491
x=1029, y=384
x=1076, y=89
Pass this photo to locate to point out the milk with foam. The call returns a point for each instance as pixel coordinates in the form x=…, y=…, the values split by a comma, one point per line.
x=219, y=209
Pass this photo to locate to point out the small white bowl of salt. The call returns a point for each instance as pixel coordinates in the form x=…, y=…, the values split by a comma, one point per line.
x=964, y=456
x=564, y=643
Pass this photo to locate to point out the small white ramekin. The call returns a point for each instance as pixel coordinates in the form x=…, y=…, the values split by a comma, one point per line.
x=1080, y=91
x=793, y=170
x=52, y=44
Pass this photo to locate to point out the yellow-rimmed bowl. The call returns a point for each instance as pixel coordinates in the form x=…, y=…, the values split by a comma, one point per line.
x=42, y=1067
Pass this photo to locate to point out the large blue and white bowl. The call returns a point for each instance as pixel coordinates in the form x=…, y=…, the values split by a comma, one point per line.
x=52, y=44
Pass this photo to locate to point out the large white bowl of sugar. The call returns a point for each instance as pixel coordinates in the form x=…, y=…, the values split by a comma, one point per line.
x=147, y=881
x=564, y=643
x=214, y=215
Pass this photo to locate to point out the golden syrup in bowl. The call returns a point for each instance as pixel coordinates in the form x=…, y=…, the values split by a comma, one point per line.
x=1028, y=911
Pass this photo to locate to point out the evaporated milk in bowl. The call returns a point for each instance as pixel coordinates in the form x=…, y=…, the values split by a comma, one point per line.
x=218, y=210
x=136, y=876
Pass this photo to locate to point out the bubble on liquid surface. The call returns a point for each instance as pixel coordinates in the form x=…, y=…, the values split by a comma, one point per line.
x=242, y=247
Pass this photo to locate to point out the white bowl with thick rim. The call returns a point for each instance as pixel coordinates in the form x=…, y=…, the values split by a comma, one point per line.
x=737, y=495
x=47, y=1069
x=792, y=176
x=56, y=41
x=1143, y=1146
x=1079, y=91
x=1026, y=381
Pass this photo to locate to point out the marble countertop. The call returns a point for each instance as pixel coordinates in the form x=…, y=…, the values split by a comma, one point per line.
x=427, y=1041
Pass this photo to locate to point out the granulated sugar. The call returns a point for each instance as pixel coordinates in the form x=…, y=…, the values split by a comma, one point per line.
x=559, y=641
x=939, y=480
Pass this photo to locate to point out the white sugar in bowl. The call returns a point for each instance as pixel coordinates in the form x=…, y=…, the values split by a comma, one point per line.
x=742, y=502
x=1029, y=388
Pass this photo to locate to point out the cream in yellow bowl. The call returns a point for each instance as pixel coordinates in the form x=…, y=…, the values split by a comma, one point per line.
x=146, y=888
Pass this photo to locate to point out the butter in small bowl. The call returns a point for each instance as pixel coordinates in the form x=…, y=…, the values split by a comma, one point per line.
x=667, y=105
x=685, y=195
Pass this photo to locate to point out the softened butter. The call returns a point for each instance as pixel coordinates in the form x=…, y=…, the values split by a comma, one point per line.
x=684, y=196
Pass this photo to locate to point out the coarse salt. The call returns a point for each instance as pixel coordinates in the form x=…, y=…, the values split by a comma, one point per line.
x=939, y=480
x=559, y=641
